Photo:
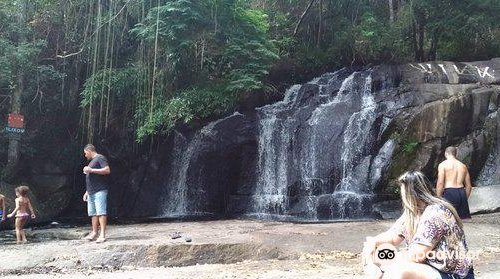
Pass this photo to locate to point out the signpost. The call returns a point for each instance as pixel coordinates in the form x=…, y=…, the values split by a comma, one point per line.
x=15, y=124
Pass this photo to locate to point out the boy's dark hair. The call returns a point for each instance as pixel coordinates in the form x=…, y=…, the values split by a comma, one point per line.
x=90, y=147
x=22, y=190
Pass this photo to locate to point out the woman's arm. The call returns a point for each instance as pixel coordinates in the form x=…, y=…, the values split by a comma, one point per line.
x=371, y=266
x=386, y=237
x=418, y=253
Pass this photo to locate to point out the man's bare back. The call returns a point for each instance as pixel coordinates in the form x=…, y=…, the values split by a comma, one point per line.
x=453, y=174
x=454, y=183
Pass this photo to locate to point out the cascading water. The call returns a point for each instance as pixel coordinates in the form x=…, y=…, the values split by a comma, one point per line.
x=273, y=162
x=178, y=201
x=315, y=150
x=175, y=201
x=324, y=152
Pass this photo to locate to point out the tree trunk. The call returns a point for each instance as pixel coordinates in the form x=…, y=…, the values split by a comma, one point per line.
x=433, y=50
x=391, y=11
x=13, y=150
x=419, y=35
x=320, y=25
x=302, y=18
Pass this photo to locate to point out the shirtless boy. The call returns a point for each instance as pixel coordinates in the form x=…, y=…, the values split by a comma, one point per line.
x=454, y=183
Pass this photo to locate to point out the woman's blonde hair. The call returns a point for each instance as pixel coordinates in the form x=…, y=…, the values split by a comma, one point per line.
x=416, y=187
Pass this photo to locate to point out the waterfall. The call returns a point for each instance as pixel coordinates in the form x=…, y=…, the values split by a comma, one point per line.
x=355, y=139
x=273, y=144
x=314, y=148
x=175, y=200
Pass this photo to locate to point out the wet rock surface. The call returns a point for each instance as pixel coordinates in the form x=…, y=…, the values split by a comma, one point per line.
x=220, y=249
x=485, y=199
x=332, y=147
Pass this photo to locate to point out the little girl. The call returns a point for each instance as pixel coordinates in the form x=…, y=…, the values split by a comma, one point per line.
x=23, y=204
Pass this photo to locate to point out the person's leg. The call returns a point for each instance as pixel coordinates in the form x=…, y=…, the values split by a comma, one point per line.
x=91, y=208
x=95, y=225
x=450, y=195
x=101, y=210
x=18, y=230
x=464, y=206
x=103, y=220
x=23, y=233
x=403, y=269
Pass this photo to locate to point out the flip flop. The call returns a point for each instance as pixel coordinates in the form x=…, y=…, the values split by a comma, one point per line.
x=188, y=239
x=176, y=235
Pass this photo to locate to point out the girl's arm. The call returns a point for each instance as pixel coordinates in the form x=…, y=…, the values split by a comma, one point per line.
x=15, y=209
x=31, y=210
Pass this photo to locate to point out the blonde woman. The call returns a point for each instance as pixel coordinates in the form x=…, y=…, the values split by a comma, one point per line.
x=433, y=231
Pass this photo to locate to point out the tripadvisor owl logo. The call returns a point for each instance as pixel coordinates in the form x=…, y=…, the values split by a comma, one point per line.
x=386, y=254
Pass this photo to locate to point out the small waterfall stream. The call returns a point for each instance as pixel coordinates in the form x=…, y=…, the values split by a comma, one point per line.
x=317, y=154
x=175, y=200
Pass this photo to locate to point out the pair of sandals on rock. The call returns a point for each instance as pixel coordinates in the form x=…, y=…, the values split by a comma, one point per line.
x=177, y=235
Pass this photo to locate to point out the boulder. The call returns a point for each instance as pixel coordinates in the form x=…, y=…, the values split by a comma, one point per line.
x=390, y=209
x=485, y=199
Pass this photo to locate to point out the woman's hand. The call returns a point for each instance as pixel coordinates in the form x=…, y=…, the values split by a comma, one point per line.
x=369, y=246
x=33, y=216
x=372, y=270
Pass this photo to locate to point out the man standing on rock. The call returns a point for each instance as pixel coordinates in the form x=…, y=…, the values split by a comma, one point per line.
x=454, y=183
x=97, y=192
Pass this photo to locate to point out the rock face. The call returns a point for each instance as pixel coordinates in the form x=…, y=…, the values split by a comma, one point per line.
x=329, y=150
x=332, y=146
x=485, y=199
x=50, y=193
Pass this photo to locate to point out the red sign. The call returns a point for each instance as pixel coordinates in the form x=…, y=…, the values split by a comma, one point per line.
x=16, y=121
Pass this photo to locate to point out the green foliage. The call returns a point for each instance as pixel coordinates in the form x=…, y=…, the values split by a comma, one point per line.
x=410, y=148
x=140, y=69
x=118, y=81
x=187, y=105
x=165, y=114
x=215, y=50
x=377, y=41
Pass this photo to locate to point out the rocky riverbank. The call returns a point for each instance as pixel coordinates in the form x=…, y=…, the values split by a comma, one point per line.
x=219, y=249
